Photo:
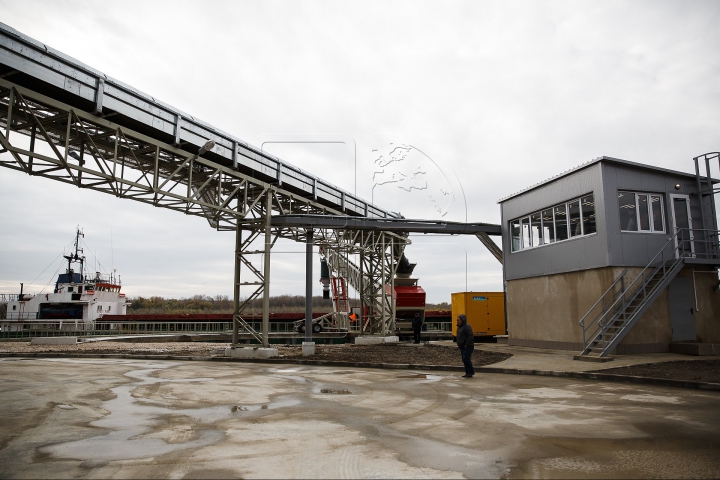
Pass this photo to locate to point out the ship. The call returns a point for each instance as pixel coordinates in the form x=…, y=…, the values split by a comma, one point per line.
x=78, y=300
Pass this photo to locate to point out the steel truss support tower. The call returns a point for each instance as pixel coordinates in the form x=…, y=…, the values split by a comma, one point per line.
x=44, y=137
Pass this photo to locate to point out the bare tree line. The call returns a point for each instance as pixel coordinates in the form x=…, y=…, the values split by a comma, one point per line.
x=224, y=304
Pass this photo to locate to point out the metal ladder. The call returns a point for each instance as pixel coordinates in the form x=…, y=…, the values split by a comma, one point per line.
x=339, y=292
x=622, y=305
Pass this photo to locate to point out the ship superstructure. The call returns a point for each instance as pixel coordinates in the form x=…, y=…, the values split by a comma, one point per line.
x=78, y=297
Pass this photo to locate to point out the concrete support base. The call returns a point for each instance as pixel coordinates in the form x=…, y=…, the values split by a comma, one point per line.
x=251, y=352
x=373, y=340
x=694, y=348
x=53, y=341
x=308, y=348
x=585, y=358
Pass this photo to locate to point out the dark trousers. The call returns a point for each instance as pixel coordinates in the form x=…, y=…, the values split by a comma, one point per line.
x=466, y=353
x=416, y=335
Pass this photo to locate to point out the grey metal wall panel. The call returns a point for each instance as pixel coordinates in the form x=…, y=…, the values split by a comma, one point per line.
x=570, y=255
x=636, y=249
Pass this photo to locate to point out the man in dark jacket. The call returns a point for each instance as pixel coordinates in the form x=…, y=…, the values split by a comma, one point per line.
x=466, y=342
x=417, y=324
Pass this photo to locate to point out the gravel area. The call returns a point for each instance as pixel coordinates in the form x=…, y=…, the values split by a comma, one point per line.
x=195, y=349
x=686, y=370
x=425, y=354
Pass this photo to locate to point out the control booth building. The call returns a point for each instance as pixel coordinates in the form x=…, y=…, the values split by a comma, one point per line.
x=629, y=247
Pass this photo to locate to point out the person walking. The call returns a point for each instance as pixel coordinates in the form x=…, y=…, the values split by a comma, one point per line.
x=466, y=342
x=417, y=324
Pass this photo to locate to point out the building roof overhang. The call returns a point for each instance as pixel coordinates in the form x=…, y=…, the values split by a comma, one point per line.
x=617, y=161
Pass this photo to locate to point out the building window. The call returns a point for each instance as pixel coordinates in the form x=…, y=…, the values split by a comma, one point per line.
x=641, y=212
x=574, y=218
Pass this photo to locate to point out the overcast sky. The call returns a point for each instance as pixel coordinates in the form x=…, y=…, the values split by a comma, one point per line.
x=492, y=96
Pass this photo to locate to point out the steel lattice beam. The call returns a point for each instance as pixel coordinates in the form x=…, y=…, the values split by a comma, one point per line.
x=82, y=149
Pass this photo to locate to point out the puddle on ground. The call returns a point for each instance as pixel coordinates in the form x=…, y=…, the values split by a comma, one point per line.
x=132, y=424
x=526, y=386
x=651, y=398
x=283, y=401
x=423, y=376
x=538, y=392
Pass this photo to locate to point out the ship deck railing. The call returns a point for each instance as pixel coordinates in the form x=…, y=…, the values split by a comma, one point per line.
x=14, y=330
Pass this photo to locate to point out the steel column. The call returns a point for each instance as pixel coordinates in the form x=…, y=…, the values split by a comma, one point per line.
x=266, y=269
x=308, y=284
x=236, y=284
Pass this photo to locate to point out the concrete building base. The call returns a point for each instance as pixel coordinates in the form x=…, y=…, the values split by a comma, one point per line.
x=308, y=348
x=53, y=341
x=251, y=352
x=693, y=348
x=374, y=340
x=543, y=312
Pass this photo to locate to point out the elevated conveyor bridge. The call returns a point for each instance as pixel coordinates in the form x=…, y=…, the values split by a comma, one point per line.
x=66, y=121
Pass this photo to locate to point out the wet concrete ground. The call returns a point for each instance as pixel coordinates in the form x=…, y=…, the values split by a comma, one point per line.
x=103, y=418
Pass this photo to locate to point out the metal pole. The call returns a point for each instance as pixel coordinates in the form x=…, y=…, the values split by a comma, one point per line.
x=363, y=293
x=236, y=285
x=383, y=311
x=308, y=285
x=711, y=193
x=393, y=267
x=266, y=272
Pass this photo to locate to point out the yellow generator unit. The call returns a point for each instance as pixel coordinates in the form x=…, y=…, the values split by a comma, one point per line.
x=485, y=312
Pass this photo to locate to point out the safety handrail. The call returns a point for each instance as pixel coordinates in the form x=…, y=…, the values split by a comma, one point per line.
x=681, y=246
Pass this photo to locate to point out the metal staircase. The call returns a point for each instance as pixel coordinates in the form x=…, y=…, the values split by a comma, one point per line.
x=627, y=299
x=380, y=316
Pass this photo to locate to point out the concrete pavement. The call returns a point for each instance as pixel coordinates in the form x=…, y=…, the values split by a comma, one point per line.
x=112, y=418
x=526, y=358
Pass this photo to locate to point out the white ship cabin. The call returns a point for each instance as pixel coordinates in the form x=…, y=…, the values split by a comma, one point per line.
x=77, y=299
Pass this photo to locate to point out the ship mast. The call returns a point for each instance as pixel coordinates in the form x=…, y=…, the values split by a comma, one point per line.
x=76, y=257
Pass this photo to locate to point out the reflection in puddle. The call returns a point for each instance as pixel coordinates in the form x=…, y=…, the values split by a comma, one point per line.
x=651, y=398
x=423, y=376
x=130, y=422
x=281, y=402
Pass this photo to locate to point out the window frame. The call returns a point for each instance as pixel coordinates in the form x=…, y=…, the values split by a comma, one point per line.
x=544, y=241
x=651, y=220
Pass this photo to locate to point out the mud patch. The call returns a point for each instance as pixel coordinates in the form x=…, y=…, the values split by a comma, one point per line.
x=664, y=457
x=336, y=392
x=221, y=473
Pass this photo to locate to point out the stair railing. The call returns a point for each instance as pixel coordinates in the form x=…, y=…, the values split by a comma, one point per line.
x=615, y=300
